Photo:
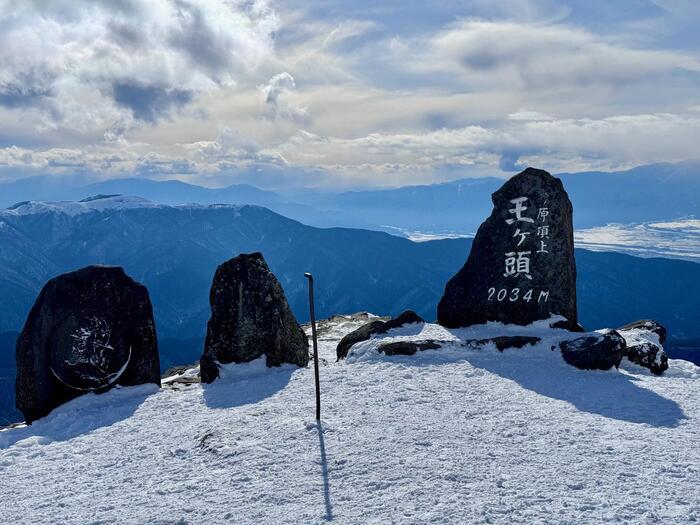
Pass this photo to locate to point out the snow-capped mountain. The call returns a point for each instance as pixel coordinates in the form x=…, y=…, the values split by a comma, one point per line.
x=95, y=203
x=657, y=192
x=446, y=436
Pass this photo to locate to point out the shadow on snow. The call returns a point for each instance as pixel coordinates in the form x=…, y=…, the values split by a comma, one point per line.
x=610, y=394
x=324, y=466
x=81, y=416
x=247, y=386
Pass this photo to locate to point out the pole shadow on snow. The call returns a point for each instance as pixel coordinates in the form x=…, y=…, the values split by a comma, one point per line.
x=81, y=416
x=246, y=388
x=324, y=468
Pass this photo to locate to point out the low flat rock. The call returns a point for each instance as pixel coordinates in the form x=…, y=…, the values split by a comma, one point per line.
x=374, y=327
x=408, y=347
x=597, y=351
x=509, y=341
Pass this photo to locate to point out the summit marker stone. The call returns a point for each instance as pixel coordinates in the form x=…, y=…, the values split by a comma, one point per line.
x=521, y=267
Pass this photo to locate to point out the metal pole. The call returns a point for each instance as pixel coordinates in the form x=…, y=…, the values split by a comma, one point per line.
x=313, y=335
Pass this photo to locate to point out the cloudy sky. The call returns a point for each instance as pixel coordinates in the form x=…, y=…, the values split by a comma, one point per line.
x=346, y=93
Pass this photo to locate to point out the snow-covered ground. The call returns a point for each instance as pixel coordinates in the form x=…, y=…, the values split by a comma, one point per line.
x=445, y=436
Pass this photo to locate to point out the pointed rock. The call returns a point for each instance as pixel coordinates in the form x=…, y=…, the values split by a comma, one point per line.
x=250, y=317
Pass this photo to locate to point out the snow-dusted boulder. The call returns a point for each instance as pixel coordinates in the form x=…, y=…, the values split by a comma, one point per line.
x=644, y=341
x=596, y=351
x=377, y=326
x=648, y=325
x=250, y=317
x=88, y=330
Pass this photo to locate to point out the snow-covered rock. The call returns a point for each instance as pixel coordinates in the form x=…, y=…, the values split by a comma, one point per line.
x=373, y=327
x=644, y=341
x=446, y=436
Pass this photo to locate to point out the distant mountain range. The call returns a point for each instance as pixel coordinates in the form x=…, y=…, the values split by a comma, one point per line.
x=174, y=251
x=658, y=192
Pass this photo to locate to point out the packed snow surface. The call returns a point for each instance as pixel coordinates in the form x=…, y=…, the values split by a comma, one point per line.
x=453, y=436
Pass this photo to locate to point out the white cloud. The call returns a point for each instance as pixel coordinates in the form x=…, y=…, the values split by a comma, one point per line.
x=275, y=93
x=620, y=141
x=202, y=90
x=526, y=115
x=486, y=53
x=391, y=158
x=91, y=64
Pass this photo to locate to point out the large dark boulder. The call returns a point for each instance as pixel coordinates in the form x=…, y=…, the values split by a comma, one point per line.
x=87, y=331
x=521, y=267
x=644, y=341
x=366, y=331
x=250, y=317
x=598, y=351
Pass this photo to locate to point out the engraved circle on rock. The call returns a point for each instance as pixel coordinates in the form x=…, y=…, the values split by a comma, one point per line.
x=88, y=351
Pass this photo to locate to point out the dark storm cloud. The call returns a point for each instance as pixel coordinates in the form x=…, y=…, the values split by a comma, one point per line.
x=27, y=89
x=195, y=37
x=509, y=161
x=149, y=103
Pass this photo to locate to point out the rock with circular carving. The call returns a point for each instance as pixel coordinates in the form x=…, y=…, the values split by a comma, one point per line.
x=250, y=317
x=88, y=330
x=521, y=267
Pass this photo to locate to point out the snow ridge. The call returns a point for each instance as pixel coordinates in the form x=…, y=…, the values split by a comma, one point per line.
x=96, y=204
